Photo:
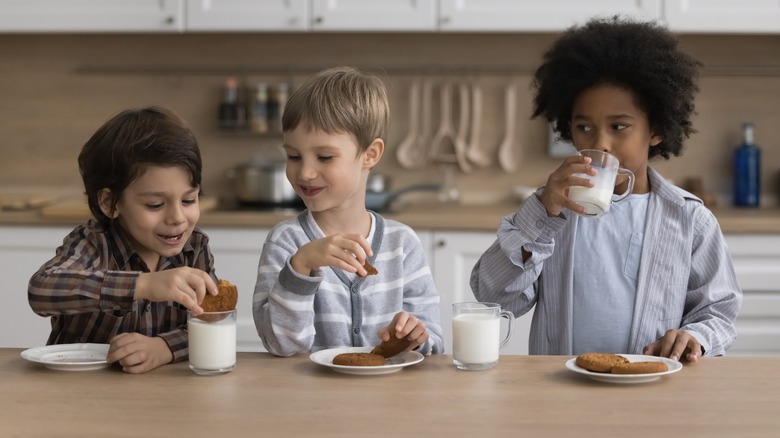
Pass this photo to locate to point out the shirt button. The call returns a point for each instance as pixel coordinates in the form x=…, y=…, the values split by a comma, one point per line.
x=356, y=330
x=116, y=307
x=539, y=224
x=148, y=307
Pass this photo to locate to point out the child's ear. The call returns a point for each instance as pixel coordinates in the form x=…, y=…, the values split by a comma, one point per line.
x=655, y=140
x=106, y=201
x=374, y=153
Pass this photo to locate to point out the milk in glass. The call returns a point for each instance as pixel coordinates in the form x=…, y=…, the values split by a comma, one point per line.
x=212, y=342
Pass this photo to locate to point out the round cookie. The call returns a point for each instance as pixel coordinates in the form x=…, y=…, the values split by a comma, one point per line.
x=359, y=359
x=226, y=299
x=599, y=362
x=640, y=368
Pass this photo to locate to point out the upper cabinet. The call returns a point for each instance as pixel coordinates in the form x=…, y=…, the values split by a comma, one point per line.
x=723, y=16
x=92, y=15
x=685, y=16
x=373, y=15
x=542, y=16
x=247, y=15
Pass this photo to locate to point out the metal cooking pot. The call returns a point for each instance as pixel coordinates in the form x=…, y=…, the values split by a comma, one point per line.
x=262, y=182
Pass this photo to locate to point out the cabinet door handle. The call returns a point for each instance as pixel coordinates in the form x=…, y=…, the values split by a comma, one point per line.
x=441, y=243
x=169, y=19
x=318, y=20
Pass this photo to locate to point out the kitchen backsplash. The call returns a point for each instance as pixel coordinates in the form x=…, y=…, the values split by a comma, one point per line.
x=57, y=89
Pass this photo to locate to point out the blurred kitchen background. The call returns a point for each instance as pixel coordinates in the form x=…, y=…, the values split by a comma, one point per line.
x=58, y=84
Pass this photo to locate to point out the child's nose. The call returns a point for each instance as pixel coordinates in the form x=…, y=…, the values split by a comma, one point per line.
x=307, y=171
x=175, y=215
x=603, y=142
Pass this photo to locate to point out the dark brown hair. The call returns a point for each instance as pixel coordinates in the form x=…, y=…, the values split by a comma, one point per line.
x=120, y=150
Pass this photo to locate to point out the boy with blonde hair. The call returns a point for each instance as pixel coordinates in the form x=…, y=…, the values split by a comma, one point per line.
x=313, y=291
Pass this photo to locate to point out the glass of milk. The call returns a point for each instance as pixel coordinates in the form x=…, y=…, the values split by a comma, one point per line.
x=597, y=199
x=212, y=339
x=476, y=334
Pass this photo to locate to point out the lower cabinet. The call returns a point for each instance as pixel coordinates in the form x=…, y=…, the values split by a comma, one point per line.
x=236, y=256
x=757, y=264
x=451, y=255
x=24, y=249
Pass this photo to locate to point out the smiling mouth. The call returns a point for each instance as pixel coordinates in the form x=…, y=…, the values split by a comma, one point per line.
x=171, y=239
x=310, y=191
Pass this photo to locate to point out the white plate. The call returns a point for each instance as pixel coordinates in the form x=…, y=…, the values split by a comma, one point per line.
x=69, y=357
x=392, y=365
x=673, y=365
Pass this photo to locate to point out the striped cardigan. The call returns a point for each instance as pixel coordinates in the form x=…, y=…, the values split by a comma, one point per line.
x=296, y=313
x=686, y=278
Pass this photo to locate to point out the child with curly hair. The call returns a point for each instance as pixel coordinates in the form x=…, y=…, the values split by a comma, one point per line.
x=653, y=276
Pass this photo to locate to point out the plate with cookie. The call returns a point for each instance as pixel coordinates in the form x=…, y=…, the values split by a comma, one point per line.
x=623, y=368
x=385, y=358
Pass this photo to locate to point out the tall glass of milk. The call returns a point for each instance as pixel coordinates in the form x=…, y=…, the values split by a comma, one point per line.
x=599, y=198
x=476, y=334
x=212, y=339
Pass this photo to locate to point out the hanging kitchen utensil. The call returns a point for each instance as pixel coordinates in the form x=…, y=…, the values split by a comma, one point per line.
x=508, y=151
x=461, y=136
x=409, y=152
x=443, y=143
x=425, y=131
x=474, y=152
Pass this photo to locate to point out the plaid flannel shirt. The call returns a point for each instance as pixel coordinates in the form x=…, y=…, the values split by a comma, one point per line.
x=88, y=289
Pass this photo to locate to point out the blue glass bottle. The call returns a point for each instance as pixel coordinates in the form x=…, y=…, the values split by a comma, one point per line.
x=747, y=171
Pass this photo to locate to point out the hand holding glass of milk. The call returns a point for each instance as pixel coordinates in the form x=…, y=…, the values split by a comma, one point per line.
x=212, y=341
x=597, y=199
x=476, y=330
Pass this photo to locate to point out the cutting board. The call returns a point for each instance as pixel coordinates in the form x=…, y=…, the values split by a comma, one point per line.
x=77, y=209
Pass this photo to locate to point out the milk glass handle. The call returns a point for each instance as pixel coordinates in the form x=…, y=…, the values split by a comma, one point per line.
x=616, y=198
x=511, y=318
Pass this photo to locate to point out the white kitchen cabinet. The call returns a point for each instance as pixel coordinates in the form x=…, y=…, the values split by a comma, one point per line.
x=24, y=249
x=91, y=16
x=543, y=16
x=757, y=264
x=723, y=16
x=236, y=256
x=373, y=15
x=452, y=257
x=247, y=15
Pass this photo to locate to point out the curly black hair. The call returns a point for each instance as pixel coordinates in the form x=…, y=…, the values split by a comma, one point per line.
x=641, y=57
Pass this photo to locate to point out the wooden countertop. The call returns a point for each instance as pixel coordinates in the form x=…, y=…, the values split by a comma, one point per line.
x=419, y=217
x=271, y=396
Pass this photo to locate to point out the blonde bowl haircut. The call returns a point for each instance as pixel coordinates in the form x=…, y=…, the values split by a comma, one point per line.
x=341, y=100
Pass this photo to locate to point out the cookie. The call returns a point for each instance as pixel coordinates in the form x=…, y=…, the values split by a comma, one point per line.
x=392, y=346
x=226, y=299
x=640, y=368
x=359, y=359
x=599, y=362
x=369, y=269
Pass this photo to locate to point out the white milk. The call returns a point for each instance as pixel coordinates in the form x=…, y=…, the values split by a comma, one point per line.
x=595, y=200
x=475, y=338
x=212, y=344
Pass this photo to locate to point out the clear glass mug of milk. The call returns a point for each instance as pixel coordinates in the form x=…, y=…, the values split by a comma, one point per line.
x=212, y=340
x=597, y=199
x=476, y=330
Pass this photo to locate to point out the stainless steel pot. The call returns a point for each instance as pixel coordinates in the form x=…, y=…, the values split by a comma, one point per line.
x=258, y=182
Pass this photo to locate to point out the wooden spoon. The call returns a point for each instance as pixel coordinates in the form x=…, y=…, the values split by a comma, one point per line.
x=508, y=153
x=474, y=153
x=409, y=153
